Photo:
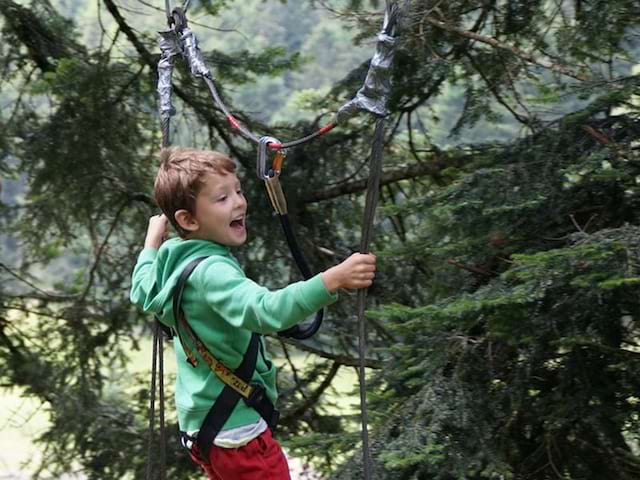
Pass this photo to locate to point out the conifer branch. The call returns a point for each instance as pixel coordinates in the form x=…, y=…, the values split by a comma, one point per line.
x=597, y=134
x=43, y=294
x=495, y=92
x=470, y=268
x=294, y=370
x=527, y=57
x=144, y=53
x=36, y=36
x=315, y=396
x=100, y=249
x=346, y=360
x=432, y=168
x=603, y=348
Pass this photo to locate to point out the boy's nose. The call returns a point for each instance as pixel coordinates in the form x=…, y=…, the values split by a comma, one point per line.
x=240, y=200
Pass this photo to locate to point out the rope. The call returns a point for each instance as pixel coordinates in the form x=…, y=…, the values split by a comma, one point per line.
x=157, y=373
x=178, y=23
x=372, y=97
x=248, y=134
x=271, y=178
x=371, y=202
x=299, y=331
x=166, y=124
x=152, y=406
x=163, y=435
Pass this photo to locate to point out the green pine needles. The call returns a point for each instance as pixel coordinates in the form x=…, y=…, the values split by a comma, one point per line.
x=524, y=363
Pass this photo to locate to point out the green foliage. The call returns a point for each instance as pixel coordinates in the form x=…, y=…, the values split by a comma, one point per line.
x=237, y=67
x=505, y=309
x=528, y=364
x=538, y=359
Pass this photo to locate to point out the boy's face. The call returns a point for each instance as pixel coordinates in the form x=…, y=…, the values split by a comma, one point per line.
x=221, y=210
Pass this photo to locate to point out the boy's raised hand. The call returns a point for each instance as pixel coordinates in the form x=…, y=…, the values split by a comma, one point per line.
x=357, y=271
x=156, y=231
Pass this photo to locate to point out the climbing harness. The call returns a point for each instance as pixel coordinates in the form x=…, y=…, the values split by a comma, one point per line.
x=179, y=40
x=238, y=384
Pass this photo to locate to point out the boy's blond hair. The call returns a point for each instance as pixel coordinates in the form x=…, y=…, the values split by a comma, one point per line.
x=180, y=178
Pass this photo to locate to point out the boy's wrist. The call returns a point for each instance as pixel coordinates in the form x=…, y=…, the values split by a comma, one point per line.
x=150, y=242
x=156, y=231
x=331, y=279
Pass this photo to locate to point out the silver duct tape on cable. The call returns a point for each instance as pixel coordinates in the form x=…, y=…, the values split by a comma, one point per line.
x=376, y=90
x=193, y=55
x=169, y=48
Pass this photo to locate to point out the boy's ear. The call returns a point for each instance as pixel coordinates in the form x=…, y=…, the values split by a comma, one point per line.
x=186, y=220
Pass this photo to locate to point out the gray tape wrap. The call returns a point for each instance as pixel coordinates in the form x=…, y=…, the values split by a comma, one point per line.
x=193, y=54
x=169, y=49
x=375, y=92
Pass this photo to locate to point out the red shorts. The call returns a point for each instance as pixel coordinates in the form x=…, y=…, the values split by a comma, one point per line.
x=260, y=459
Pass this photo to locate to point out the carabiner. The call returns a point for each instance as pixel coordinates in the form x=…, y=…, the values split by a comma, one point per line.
x=261, y=161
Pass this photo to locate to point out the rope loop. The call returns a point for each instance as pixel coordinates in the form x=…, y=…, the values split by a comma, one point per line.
x=179, y=20
x=176, y=17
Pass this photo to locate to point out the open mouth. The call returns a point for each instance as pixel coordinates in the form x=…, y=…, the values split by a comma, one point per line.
x=238, y=223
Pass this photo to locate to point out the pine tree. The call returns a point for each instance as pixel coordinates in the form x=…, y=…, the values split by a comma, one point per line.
x=503, y=325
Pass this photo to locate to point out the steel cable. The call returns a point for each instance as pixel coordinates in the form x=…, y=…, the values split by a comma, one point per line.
x=371, y=202
x=152, y=399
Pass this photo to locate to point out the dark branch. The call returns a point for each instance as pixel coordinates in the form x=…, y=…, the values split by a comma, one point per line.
x=315, y=396
x=432, y=168
x=42, y=43
x=527, y=57
x=345, y=360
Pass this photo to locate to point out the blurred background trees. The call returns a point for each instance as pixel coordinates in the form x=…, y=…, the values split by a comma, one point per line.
x=504, y=322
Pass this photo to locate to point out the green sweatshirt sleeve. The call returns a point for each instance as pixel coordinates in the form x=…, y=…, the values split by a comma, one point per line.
x=142, y=280
x=245, y=304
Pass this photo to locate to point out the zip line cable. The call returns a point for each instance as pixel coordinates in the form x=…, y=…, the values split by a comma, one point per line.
x=371, y=202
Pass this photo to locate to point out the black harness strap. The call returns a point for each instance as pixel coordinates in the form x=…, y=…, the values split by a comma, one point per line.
x=271, y=177
x=240, y=379
x=178, y=315
x=225, y=403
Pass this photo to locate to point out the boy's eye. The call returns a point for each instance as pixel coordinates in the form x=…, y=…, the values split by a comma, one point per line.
x=239, y=192
x=222, y=198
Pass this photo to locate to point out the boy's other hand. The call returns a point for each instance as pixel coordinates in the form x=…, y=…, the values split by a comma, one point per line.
x=156, y=232
x=357, y=271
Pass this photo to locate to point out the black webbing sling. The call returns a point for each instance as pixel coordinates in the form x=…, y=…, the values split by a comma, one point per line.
x=237, y=383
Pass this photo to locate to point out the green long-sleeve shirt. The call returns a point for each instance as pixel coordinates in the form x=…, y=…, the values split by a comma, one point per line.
x=223, y=306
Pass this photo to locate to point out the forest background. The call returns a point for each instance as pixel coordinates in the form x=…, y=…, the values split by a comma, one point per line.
x=504, y=320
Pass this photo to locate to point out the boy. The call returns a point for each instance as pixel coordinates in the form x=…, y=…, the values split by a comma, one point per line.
x=201, y=197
